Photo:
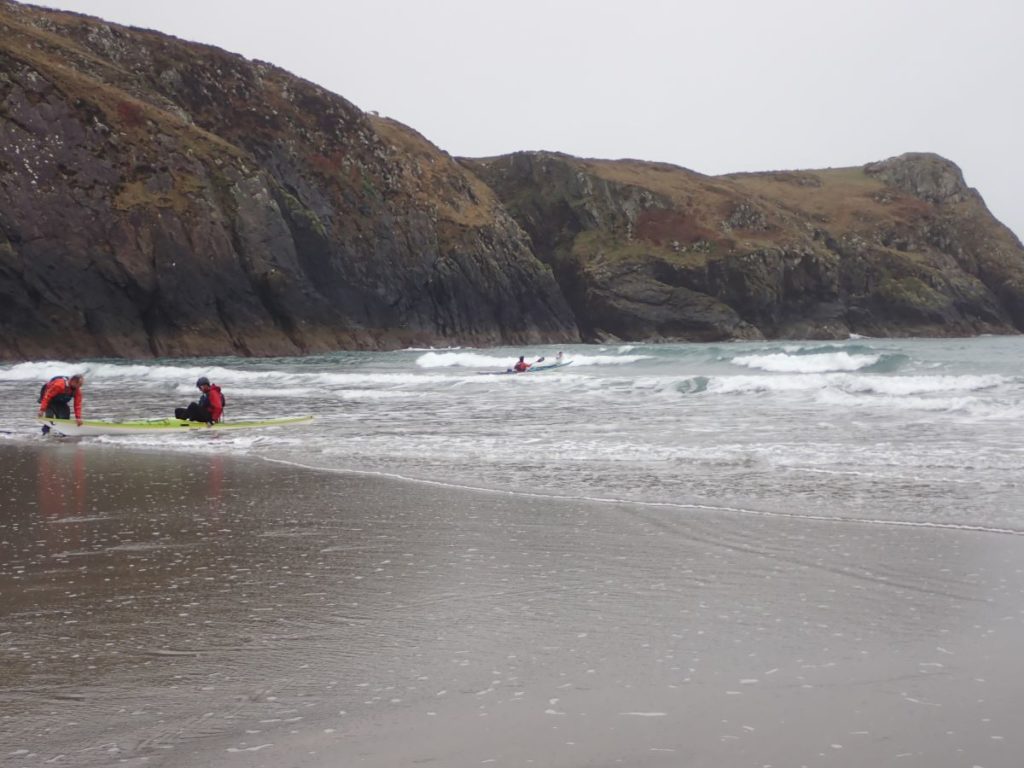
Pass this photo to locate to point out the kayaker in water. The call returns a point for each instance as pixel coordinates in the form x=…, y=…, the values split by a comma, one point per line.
x=210, y=407
x=522, y=366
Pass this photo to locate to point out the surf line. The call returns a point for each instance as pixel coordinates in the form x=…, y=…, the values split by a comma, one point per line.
x=665, y=504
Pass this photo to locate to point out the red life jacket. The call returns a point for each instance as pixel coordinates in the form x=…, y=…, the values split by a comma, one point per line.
x=214, y=401
x=59, y=390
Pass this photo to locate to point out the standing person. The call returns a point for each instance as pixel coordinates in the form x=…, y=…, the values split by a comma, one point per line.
x=210, y=407
x=57, y=393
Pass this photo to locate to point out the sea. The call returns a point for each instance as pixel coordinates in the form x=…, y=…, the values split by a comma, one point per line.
x=799, y=553
x=896, y=432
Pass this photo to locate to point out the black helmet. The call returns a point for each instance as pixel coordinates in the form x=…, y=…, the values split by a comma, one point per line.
x=202, y=381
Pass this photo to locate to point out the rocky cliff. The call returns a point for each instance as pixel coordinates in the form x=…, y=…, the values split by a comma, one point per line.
x=653, y=251
x=161, y=198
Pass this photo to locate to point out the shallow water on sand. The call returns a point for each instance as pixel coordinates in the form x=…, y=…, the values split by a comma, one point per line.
x=901, y=432
x=174, y=610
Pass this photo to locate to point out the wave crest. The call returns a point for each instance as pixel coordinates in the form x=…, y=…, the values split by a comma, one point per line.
x=782, y=362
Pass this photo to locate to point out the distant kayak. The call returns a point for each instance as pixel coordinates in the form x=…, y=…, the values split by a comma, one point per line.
x=535, y=368
x=547, y=366
x=69, y=428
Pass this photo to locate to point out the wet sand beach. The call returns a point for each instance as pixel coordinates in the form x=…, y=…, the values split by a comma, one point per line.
x=169, y=610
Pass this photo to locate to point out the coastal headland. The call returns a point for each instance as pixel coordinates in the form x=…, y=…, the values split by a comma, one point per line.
x=164, y=198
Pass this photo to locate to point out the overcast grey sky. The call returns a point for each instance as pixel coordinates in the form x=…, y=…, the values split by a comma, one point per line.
x=713, y=85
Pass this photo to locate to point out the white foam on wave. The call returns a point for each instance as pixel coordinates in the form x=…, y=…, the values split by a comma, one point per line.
x=893, y=386
x=820, y=363
x=39, y=371
x=318, y=393
x=918, y=385
x=907, y=403
x=462, y=360
x=754, y=384
x=183, y=378
x=315, y=379
x=192, y=442
x=967, y=406
x=477, y=360
x=578, y=360
x=289, y=383
x=93, y=370
x=645, y=386
x=271, y=392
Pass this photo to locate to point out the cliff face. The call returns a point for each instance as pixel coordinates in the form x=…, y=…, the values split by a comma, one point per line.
x=162, y=198
x=651, y=251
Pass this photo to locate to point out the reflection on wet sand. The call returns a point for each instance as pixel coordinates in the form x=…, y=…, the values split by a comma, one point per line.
x=179, y=611
x=140, y=586
x=61, y=489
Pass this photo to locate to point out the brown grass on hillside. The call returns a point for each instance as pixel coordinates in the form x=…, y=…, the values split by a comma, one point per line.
x=671, y=229
x=842, y=198
x=84, y=77
x=436, y=179
x=670, y=181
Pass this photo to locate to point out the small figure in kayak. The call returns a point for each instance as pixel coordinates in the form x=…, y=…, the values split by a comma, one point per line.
x=210, y=407
x=560, y=357
x=521, y=365
x=57, y=393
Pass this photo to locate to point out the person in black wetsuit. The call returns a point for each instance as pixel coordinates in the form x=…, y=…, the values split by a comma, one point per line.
x=209, y=408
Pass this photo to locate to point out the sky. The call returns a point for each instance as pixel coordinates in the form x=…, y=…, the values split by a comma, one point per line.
x=717, y=86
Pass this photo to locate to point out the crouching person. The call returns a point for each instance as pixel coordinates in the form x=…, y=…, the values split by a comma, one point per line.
x=209, y=408
x=58, y=393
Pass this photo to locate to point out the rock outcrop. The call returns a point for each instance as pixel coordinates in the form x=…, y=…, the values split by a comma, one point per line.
x=651, y=251
x=161, y=198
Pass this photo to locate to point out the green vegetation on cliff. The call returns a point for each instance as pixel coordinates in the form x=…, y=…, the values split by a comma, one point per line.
x=653, y=251
x=160, y=198
x=164, y=198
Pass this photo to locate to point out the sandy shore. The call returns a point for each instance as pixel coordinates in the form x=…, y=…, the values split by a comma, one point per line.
x=169, y=610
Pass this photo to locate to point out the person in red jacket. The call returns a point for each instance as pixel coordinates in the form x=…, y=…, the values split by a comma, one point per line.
x=210, y=407
x=57, y=393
